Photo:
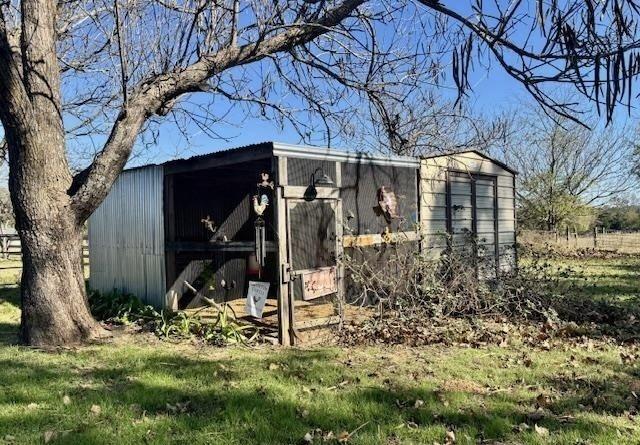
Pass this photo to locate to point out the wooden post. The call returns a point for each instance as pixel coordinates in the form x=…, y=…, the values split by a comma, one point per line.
x=171, y=273
x=284, y=315
x=567, y=235
x=340, y=246
x=595, y=237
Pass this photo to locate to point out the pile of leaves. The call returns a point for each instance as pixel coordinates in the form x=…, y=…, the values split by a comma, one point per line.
x=123, y=309
x=395, y=329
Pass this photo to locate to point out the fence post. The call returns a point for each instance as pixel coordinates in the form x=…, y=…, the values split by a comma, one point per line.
x=595, y=237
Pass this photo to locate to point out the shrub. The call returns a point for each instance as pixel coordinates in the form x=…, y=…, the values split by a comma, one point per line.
x=120, y=308
x=126, y=309
x=458, y=283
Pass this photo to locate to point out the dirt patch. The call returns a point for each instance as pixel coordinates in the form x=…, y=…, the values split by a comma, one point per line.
x=459, y=385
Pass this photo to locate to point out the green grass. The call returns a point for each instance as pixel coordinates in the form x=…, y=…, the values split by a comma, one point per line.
x=150, y=391
x=613, y=280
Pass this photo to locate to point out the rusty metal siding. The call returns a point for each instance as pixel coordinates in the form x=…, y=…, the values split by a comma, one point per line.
x=126, y=237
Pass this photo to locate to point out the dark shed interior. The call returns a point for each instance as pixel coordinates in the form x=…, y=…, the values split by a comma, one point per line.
x=210, y=226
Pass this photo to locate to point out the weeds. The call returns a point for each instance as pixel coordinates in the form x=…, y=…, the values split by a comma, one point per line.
x=461, y=298
x=126, y=309
x=120, y=308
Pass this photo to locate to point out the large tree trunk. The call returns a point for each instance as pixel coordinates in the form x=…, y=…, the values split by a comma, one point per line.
x=55, y=310
x=54, y=302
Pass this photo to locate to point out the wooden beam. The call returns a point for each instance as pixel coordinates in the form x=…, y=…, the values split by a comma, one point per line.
x=169, y=236
x=339, y=256
x=217, y=246
x=318, y=322
x=218, y=160
x=373, y=239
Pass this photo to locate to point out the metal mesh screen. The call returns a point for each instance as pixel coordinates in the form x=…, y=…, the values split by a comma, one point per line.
x=360, y=183
x=299, y=171
x=312, y=234
x=224, y=195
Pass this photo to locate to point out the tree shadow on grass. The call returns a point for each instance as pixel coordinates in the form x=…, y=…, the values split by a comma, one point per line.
x=147, y=397
x=9, y=310
x=600, y=395
x=10, y=294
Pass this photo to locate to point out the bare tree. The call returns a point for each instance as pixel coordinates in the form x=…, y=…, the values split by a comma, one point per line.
x=108, y=70
x=565, y=168
x=425, y=123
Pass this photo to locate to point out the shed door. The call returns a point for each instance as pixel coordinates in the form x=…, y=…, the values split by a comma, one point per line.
x=312, y=236
x=473, y=222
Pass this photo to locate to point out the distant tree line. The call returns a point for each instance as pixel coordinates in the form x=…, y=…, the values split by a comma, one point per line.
x=620, y=215
x=570, y=175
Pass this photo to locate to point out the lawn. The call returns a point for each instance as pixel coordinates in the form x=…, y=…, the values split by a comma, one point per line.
x=142, y=390
x=612, y=279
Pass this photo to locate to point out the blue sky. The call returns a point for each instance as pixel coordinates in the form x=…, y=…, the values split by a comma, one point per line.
x=494, y=91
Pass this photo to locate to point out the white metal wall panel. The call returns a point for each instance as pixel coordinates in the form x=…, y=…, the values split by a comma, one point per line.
x=433, y=174
x=126, y=237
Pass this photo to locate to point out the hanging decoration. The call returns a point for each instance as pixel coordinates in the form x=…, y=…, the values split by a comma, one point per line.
x=209, y=224
x=388, y=203
x=261, y=201
x=261, y=251
x=260, y=204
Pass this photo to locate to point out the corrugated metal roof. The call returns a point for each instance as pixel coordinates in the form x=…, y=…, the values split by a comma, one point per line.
x=311, y=152
x=266, y=149
x=292, y=150
x=257, y=148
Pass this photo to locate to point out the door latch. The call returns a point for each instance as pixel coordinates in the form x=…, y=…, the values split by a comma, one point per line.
x=286, y=272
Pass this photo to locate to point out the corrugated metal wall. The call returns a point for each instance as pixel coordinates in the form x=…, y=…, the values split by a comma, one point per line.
x=126, y=237
x=433, y=215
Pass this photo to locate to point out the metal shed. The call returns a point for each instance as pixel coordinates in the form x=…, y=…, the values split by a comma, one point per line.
x=262, y=228
x=469, y=193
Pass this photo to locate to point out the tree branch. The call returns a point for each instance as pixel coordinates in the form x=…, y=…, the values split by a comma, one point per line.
x=91, y=186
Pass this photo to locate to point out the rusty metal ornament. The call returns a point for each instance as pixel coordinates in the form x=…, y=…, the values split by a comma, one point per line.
x=388, y=203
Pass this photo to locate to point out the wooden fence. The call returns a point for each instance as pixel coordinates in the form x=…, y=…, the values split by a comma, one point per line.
x=11, y=252
x=598, y=238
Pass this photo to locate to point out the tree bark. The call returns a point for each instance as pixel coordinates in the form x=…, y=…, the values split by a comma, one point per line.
x=55, y=310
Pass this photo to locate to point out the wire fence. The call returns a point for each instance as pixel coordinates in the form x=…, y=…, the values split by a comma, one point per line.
x=598, y=238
